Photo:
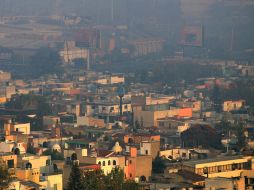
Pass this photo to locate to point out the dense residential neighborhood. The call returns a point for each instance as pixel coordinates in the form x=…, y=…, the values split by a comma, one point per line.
x=126, y=95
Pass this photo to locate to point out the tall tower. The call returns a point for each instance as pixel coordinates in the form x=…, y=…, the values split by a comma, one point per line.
x=121, y=93
x=88, y=60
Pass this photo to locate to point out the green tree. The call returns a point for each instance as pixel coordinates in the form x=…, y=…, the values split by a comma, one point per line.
x=4, y=177
x=223, y=127
x=241, y=143
x=130, y=185
x=198, y=134
x=115, y=179
x=76, y=179
x=158, y=165
x=95, y=180
x=45, y=61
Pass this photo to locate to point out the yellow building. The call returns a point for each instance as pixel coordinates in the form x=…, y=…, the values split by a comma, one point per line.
x=9, y=159
x=52, y=181
x=28, y=174
x=229, y=166
x=149, y=117
x=41, y=162
x=233, y=105
x=244, y=181
x=24, y=128
x=106, y=159
x=40, y=170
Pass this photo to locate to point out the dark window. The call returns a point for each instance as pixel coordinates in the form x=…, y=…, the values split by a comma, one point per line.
x=161, y=124
x=28, y=165
x=146, y=152
x=114, y=162
x=99, y=163
x=10, y=163
x=17, y=151
x=74, y=156
x=130, y=141
x=47, y=162
x=103, y=163
x=143, y=178
x=234, y=166
x=109, y=163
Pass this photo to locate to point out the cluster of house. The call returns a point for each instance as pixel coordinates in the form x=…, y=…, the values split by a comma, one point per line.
x=98, y=124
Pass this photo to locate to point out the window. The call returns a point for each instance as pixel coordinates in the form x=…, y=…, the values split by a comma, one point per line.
x=10, y=163
x=234, y=166
x=103, y=163
x=47, y=162
x=99, y=163
x=55, y=186
x=220, y=169
x=161, y=124
x=130, y=175
x=28, y=165
x=109, y=163
x=114, y=162
x=146, y=152
x=130, y=161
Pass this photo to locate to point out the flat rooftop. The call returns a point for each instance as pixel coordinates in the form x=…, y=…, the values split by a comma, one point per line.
x=211, y=160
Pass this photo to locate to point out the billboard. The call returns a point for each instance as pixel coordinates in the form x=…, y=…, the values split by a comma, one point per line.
x=192, y=36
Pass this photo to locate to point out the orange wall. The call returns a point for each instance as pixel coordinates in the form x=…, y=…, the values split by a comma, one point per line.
x=3, y=100
x=28, y=174
x=5, y=158
x=185, y=112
